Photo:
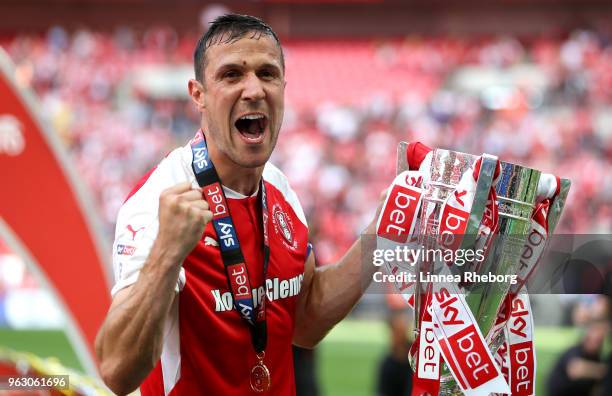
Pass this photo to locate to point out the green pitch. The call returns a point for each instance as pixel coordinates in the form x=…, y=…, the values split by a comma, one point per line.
x=347, y=359
x=43, y=343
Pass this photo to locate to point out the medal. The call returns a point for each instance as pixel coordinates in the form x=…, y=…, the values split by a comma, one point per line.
x=260, y=375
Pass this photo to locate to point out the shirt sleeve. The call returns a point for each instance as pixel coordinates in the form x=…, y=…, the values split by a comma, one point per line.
x=138, y=225
x=133, y=243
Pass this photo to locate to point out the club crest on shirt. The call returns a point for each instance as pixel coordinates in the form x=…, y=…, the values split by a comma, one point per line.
x=283, y=225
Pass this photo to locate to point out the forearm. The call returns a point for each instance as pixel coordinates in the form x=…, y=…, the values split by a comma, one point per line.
x=130, y=340
x=334, y=291
x=583, y=369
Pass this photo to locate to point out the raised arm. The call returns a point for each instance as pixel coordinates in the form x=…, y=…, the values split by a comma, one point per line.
x=129, y=343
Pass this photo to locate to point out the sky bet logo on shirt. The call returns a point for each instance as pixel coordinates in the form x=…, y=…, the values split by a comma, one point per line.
x=125, y=250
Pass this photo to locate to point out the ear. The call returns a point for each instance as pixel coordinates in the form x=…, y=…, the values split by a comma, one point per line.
x=196, y=92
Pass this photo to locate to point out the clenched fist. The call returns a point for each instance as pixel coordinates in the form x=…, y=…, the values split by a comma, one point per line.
x=183, y=214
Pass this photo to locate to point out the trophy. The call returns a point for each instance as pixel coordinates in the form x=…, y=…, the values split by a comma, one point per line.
x=516, y=194
x=474, y=203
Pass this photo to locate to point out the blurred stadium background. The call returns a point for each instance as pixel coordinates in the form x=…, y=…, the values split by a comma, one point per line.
x=529, y=81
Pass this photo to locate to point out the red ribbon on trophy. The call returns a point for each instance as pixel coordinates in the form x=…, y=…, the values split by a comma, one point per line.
x=462, y=344
x=426, y=352
x=521, y=350
x=396, y=224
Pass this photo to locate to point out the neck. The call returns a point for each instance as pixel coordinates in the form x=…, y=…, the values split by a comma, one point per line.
x=243, y=180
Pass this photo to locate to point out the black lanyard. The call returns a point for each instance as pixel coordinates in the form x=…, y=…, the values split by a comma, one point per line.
x=233, y=259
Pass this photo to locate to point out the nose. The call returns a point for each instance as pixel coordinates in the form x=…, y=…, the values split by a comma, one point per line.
x=253, y=88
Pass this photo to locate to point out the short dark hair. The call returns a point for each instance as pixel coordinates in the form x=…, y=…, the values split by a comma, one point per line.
x=226, y=29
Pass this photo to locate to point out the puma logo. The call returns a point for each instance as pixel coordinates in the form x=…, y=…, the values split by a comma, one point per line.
x=133, y=231
x=208, y=241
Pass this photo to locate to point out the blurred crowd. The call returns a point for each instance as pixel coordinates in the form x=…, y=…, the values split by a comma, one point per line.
x=540, y=101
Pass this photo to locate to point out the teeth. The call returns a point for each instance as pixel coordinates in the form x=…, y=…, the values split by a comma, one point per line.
x=252, y=117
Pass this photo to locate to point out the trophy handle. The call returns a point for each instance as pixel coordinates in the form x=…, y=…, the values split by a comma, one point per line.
x=402, y=165
x=485, y=180
x=554, y=214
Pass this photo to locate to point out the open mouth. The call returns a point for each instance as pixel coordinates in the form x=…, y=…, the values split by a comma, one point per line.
x=252, y=127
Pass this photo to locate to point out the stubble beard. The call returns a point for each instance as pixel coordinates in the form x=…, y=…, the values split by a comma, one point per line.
x=230, y=150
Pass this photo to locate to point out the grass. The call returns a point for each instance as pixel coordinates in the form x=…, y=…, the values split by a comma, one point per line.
x=347, y=359
x=349, y=356
x=43, y=343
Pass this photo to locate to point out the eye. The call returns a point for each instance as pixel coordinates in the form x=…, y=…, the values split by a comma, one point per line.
x=267, y=74
x=231, y=74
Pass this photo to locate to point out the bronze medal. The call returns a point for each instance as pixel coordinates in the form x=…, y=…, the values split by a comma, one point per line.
x=260, y=376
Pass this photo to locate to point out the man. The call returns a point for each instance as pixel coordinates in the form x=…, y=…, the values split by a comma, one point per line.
x=394, y=371
x=187, y=252
x=579, y=369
